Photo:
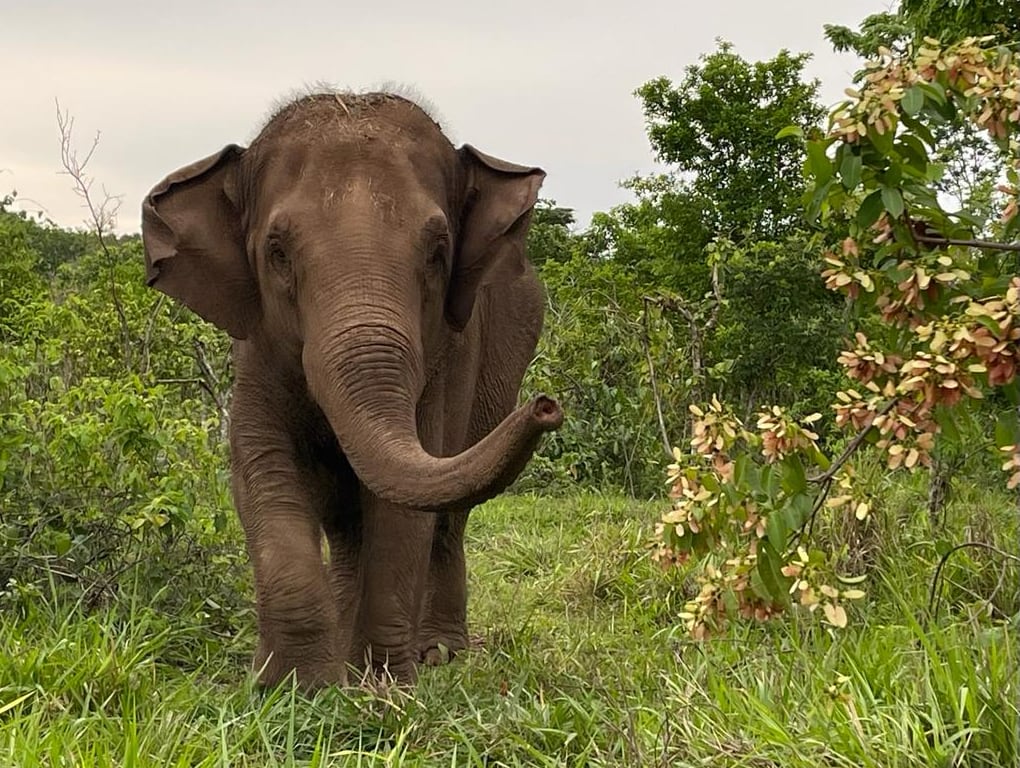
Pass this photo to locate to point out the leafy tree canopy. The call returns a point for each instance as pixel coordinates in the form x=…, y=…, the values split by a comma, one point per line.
x=718, y=128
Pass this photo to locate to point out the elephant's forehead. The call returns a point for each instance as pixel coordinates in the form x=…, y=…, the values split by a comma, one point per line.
x=370, y=163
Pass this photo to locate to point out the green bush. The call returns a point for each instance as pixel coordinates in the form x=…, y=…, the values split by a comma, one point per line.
x=112, y=463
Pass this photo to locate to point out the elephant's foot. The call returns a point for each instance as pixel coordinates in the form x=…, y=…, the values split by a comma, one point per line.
x=386, y=665
x=440, y=648
x=311, y=671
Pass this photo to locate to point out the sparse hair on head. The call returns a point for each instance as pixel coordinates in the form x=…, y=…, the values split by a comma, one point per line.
x=344, y=99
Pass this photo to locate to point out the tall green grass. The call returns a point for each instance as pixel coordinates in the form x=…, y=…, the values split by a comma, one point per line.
x=576, y=660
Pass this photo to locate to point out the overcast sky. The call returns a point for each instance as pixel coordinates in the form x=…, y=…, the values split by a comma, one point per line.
x=548, y=83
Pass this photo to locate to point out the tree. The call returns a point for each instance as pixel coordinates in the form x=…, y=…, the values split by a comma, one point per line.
x=550, y=237
x=941, y=312
x=970, y=159
x=915, y=20
x=721, y=237
x=718, y=127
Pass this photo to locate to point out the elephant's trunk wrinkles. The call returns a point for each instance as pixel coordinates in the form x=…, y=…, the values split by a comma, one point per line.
x=364, y=379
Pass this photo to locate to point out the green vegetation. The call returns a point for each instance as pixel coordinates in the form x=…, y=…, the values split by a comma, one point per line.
x=578, y=662
x=126, y=620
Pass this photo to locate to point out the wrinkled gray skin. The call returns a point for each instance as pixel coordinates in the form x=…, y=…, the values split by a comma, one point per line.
x=383, y=314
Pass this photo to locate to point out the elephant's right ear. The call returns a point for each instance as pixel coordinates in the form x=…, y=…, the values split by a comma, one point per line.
x=194, y=244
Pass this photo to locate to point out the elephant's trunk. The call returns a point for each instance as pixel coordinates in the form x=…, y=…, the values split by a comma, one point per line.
x=366, y=378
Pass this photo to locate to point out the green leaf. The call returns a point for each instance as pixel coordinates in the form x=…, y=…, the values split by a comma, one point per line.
x=850, y=171
x=919, y=129
x=740, y=469
x=776, y=530
x=819, y=164
x=1007, y=430
x=883, y=142
x=794, y=476
x=892, y=201
x=819, y=458
x=934, y=92
x=893, y=175
x=912, y=150
x=817, y=201
x=770, y=482
x=769, y=568
x=790, y=130
x=1011, y=391
x=61, y=543
x=797, y=511
x=912, y=100
x=988, y=322
x=870, y=210
x=708, y=479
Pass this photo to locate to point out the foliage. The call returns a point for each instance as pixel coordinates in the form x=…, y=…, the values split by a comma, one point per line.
x=936, y=337
x=648, y=311
x=550, y=238
x=915, y=20
x=111, y=460
x=594, y=355
x=719, y=125
x=721, y=238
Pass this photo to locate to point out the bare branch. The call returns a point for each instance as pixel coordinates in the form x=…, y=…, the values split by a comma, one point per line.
x=102, y=217
x=935, y=596
x=148, y=332
x=211, y=385
x=989, y=245
x=646, y=343
x=713, y=316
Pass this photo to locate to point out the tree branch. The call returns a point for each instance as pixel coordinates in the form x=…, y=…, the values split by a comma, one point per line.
x=211, y=385
x=102, y=217
x=934, y=597
x=148, y=332
x=646, y=343
x=989, y=245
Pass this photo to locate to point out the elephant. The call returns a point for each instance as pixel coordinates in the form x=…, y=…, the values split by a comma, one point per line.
x=382, y=313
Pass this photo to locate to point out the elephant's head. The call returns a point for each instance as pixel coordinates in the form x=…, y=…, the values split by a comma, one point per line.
x=348, y=239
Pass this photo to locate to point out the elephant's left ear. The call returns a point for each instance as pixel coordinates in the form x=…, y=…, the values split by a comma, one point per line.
x=499, y=198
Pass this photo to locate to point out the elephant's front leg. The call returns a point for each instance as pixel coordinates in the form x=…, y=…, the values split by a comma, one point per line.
x=443, y=629
x=394, y=558
x=281, y=504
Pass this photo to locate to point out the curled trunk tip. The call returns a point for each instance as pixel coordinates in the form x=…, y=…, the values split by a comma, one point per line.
x=547, y=413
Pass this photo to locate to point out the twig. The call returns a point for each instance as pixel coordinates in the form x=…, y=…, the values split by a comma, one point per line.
x=210, y=385
x=823, y=494
x=148, y=331
x=102, y=217
x=935, y=597
x=989, y=245
x=646, y=344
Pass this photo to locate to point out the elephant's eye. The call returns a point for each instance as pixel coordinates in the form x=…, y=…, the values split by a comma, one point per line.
x=277, y=254
x=436, y=239
x=439, y=250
